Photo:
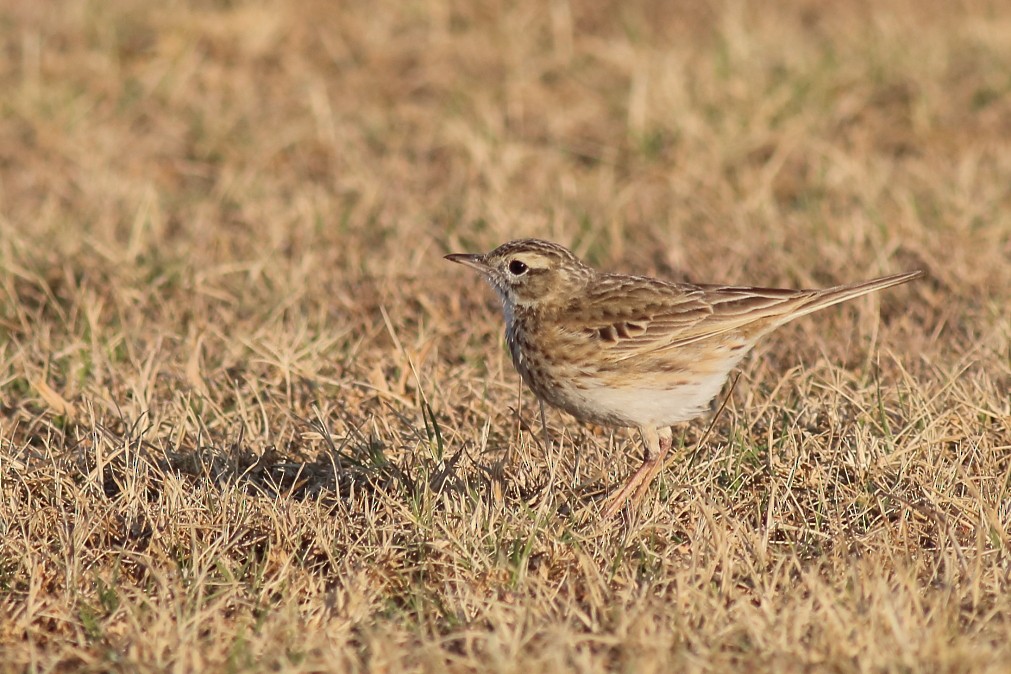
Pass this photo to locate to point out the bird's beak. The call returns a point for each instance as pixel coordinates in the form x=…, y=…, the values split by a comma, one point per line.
x=473, y=261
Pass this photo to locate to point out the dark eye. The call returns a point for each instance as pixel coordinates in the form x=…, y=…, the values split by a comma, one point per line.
x=517, y=268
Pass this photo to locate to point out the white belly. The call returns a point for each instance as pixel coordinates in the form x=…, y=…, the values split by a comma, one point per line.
x=641, y=405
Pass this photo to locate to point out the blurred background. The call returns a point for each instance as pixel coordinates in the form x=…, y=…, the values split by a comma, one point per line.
x=699, y=136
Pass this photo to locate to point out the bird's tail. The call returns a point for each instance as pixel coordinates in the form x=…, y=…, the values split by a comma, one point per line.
x=830, y=296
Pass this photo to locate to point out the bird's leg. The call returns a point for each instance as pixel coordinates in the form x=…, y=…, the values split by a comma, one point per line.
x=544, y=427
x=635, y=485
x=666, y=441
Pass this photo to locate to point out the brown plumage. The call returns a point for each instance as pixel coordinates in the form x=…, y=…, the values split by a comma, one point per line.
x=621, y=350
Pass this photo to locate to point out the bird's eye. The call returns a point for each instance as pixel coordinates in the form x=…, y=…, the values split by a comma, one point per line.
x=517, y=268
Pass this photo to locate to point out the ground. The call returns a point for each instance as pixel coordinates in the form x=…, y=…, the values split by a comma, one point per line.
x=250, y=419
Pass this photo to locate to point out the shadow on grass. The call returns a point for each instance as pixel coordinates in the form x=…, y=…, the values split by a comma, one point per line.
x=127, y=457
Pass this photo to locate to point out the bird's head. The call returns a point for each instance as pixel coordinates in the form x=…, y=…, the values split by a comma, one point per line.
x=529, y=272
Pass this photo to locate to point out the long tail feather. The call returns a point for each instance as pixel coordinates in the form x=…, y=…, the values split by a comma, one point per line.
x=830, y=296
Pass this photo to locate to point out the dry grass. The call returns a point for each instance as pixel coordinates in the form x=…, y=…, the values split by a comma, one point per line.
x=252, y=421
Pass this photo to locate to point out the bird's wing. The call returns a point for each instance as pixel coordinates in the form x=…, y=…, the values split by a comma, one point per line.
x=643, y=320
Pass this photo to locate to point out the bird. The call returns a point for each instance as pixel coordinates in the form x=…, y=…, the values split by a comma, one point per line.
x=633, y=351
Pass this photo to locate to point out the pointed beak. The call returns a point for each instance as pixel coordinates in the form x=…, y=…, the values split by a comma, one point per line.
x=470, y=260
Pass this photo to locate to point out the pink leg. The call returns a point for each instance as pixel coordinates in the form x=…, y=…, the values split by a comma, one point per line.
x=635, y=486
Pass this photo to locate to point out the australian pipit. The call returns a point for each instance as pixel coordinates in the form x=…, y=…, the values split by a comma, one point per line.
x=633, y=351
